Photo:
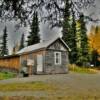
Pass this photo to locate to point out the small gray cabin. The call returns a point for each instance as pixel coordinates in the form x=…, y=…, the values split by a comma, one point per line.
x=47, y=57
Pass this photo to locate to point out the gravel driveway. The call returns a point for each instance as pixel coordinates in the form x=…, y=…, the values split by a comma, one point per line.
x=58, y=78
x=71, y=84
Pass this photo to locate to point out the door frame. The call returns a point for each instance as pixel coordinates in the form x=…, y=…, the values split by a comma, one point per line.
x=39, y=63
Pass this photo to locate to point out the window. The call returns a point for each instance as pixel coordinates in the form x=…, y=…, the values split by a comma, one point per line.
x=57, y=58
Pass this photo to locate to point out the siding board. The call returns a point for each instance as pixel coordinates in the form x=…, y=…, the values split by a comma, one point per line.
x=10, y=63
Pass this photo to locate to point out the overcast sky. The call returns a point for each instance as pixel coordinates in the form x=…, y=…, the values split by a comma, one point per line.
x=46, y=33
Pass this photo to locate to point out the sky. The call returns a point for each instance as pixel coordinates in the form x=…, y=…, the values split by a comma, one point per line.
x=45, y=31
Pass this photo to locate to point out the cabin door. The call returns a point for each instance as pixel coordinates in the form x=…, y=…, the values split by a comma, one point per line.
x=39, y=63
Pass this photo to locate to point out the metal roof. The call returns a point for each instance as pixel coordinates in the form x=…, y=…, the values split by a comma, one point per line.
x=41, y=45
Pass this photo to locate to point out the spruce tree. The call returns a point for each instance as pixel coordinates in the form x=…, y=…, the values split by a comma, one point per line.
x=34, y=36
x=4, y=49
x=73, y=37
x=66, y=23
x=21, y=42
x=83, y=52
x=67, y=36
x=69, y=30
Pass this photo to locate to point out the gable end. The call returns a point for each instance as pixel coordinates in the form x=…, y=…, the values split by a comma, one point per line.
x=57, y=45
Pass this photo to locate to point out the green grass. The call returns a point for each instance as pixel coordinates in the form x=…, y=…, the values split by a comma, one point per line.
x=6, y=75
x=32, y=86
x=82, y=69
x=53, y=91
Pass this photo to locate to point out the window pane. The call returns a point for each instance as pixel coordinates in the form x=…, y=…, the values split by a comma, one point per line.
x=57, y=57
x=57, y=61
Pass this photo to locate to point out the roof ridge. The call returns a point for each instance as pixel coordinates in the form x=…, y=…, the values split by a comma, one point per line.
x=41, y=45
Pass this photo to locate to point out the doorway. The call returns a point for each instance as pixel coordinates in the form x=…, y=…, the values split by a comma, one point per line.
x=39, y=63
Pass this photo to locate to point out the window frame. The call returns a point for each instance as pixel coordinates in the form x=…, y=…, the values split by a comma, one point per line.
x=59, y=58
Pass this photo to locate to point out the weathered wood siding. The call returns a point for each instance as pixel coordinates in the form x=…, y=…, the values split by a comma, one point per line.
x=49, y=63
x=10, y=63
x=57, y=45
x=33, y=56
x=50, y=66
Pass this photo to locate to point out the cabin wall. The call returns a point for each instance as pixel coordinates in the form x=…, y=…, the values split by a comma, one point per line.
x=12, y=63
x=48, y=59
x=33, y=56
x=50, y=66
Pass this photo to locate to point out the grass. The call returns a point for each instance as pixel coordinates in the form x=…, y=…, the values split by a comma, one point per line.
x=6, y=75
x=53, y=92
x=84, y=70
x=33, y=86
x=50, y=98
x=46, y=98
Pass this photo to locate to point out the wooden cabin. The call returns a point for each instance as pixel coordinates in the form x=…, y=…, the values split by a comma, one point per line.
x=47, y=57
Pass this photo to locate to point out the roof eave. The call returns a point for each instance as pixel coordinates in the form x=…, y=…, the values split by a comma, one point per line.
x=32, y=51
x=65, y=45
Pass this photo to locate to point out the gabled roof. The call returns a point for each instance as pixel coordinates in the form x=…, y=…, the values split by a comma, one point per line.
x=41, y=45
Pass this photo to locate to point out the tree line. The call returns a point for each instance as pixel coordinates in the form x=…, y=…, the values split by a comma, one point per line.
x=73, y=24
x=32, y=38
x=75, y=35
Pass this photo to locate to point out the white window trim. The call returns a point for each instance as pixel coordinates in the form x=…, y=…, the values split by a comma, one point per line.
x=59, y=53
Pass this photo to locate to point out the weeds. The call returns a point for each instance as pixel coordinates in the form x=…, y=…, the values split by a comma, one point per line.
x=82, y=69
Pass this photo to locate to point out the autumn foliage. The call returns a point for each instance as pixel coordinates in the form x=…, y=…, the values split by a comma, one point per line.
x=94, y=39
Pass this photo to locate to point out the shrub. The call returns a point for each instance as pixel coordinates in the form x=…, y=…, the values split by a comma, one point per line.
x=82, y=69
